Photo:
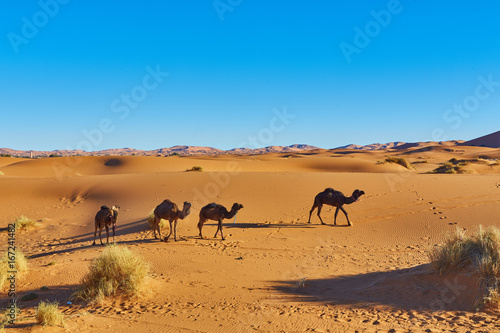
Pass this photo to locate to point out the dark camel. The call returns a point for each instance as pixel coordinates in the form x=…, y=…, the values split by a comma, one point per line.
x=168, y=210
x=104, y=218
x=336, y=199
x=217, y=212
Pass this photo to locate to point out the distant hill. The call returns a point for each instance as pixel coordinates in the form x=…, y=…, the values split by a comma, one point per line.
x=491, y=140
x=401, y=145
x=176, y=150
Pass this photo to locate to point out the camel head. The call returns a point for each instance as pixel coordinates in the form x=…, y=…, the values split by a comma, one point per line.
x=357, y=194
x=114, y=210
x=236, y=207
x=186, y=209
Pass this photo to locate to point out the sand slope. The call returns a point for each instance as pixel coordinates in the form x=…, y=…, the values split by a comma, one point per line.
x=275, y=272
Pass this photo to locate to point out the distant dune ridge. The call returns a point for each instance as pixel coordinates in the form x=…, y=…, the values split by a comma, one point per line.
x=490, y=140
x=175, y=150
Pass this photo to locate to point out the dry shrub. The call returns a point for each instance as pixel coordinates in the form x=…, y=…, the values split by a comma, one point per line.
x=7, y=316
x=401, y=161
x=479, y=252
x=196, y=168
x=20, y=262
x=48, y=314
x=151, y=220
x=25, y=223
x=116, y=271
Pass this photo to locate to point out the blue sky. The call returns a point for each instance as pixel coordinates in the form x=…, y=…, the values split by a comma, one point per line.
x=419, y=72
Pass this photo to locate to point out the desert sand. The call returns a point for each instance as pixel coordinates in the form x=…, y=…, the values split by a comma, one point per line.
x=274, y=272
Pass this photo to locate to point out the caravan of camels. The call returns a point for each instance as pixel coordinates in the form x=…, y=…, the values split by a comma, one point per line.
x=170, y=212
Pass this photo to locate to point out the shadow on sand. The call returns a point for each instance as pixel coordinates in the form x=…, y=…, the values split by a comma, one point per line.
x=415, y=288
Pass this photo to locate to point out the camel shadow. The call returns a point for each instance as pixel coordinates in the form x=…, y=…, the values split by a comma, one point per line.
x=87, y=239
x=335, y=225
x=61, y=293
x=121, y=229
x=416, y=288
x=266, y=225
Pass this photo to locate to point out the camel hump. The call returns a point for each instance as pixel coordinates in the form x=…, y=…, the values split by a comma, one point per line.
x=212, y=205
x=329, y=189
x=104, y=207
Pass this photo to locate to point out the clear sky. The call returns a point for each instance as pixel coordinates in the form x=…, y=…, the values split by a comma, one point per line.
x=92, y=74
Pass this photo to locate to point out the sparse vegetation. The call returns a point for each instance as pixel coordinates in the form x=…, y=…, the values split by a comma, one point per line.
x=151, y=220
x=453, y=166
x=196, y=168
x=116, y=271
x=420, y=162
x=48, y=314
x=5, y=155
x=25, y=223
x=479, y=252
x=21, y=265
x=54, y=155
x=401, y=161
x=7, y=315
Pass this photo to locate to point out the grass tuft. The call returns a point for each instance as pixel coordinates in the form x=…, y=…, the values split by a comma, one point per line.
x=453, y=166
x=48, y=314
x=480, y=252
x=151, y=220
x=7, y=315
x=25, y=223
x=116, y=271
x=20, y=263
x=401, y=161
x=196, y=168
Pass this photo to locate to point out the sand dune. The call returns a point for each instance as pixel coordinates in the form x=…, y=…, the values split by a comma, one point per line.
x=275, y=272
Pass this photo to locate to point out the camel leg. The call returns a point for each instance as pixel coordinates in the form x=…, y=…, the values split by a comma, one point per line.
x=107, y=234
x=336, y=213
x=200, y=226
x=175, y=230
x=220, y=227
x=114, y=226
x=155, y=226
x=311, y=211
x=348, y=222
x=100, y=238
x=159, y=231
x=170, y=233
x=95, y=234
x=319, y=212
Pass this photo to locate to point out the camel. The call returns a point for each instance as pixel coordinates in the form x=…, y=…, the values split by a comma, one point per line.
x=104, y=218
x=217, y=212
x=336, y=199
x=168, y=210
